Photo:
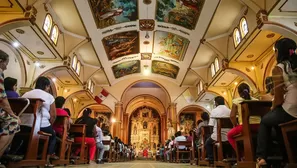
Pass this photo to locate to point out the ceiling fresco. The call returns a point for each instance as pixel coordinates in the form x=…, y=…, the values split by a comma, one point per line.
x=110, y=12
x=184, y=13
x=164, y=68
x=121, y=44
x=170, y=45
x=126, y=68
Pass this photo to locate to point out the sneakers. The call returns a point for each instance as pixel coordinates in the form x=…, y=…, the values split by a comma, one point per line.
x=99, y=161
x=54, y=157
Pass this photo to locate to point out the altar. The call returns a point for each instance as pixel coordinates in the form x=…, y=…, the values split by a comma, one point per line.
x=145, y=127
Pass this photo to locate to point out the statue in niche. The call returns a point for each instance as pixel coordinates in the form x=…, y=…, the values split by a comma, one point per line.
x=145, y=125
x=145, y=114
x=135, y=130
x=170, y=128
x=154, y=130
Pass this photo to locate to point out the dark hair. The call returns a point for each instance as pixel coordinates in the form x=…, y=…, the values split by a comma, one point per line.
x=219, y=100
x=3, y=55
x=199, y=121
x=86, y=112
x=205, y=116
x=9, y=83
x=269, y=84
x=42, y=82
x=59, y=101
x=286, y=53
x=178, y=133
x=244, y=91
x=68, y=111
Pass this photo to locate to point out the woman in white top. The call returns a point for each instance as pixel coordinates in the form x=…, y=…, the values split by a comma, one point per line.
x=47, y=114
x=284, y=104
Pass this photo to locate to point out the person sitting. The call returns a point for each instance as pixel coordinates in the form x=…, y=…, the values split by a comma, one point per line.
x=221, y=111
x=58, y=125
x=284, y=104
x=190, y=136
x=179, y=137
x=69, y=114
x=89, y=138
x=9, y=121
x=48, y=113
x=269, y=89
x=205, y=118
x=244, y=93
x=10, y=85
x=100, y=147
x=169, y=147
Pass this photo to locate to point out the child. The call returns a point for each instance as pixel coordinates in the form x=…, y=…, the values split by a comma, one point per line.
x=99, y=144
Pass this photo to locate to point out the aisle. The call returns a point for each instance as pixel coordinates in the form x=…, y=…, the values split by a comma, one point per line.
x=136, y=164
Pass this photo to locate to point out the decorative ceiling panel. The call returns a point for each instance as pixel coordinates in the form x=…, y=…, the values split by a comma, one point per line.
x=126, y=68
x=110, y=12
x=184, y=13
x=164, y=68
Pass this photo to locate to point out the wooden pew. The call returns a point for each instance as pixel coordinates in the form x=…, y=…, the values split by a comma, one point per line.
x=194, y=148
x=218, y=146
x=80, y=129
x=31, y=106
x=290, y=127
x=188, y=149
x=249, y=108
x=206, y=131
x=108, y=142
x=65, y=143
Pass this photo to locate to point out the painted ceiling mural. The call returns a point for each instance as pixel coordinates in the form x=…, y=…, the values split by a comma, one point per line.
x=110, y=12
x=121, y=44
x=126, y=68
x=184, y=13
x=170, y=45
x=164, y=68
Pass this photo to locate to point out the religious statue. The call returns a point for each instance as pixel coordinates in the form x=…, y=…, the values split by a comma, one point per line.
x=154, y=130
x=170, y=128
x=145, y=125
x=135, y=130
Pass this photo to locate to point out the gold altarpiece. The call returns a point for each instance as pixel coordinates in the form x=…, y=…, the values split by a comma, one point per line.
x=145, y=129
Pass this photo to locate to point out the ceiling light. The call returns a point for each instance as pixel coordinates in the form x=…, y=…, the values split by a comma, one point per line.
x=54, y=79
x=146, y=70
x=37, y=64
x=147, y=35
x=208, y=106
x=224, y=93
x=65, y=90
x=252, y=67
x=235, y=83
x=75, y=99
x=113, y=120
x=16, y=44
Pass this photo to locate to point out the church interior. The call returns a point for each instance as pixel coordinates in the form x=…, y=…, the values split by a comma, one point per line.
x=145, y=72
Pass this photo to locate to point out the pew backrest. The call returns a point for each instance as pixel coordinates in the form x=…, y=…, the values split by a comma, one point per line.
x=222, y=123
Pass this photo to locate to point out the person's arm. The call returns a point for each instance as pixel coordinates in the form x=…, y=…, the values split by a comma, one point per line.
x=4, y=104
x=279, y=91
x=233, y=113
x=53, y=113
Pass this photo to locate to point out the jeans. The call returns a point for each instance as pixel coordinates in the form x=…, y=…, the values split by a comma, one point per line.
x=272, y=119
x=52, y=139
x=100, y=150
x=209, y=148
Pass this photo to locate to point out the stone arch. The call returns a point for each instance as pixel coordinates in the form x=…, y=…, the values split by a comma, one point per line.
x=248, y=79
x=14, y=23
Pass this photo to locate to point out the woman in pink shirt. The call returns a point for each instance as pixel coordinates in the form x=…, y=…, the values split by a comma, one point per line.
x=58, y=125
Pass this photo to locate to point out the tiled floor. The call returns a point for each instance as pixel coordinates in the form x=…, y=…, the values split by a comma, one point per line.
x=136, y=164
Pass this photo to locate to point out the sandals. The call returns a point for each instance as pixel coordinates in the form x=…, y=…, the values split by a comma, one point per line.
x=261, y=163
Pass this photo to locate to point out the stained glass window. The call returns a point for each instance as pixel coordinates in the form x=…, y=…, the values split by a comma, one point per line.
x=55, y=34
x=200, y=86
x=217, y=66
x=212, y=69
x=236, y=37
x=78, y=66
x=243, y=27
x=47, y=25
x=74, y=62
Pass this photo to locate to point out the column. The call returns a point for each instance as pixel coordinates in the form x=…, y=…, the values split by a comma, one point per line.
x=172, y=112
x=125, y=128
x=118, y=120
x=163, y=128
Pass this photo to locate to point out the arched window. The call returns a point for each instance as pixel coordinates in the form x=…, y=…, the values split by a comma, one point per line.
x=78, y=66
x=236, y=37
x=55, y=34
x=200, y=86
x=217, y=65
x=212, y=70
x=243, y=27
x=92, y=87
x=74, y=62
x=89, y=84
x=47, y=25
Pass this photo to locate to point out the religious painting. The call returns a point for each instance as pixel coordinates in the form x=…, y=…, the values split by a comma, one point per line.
x=146, y=56
x=121, y=44
x=184, y=13
x=187, y=122
x=110, y=12
x=126, y=68
x=104, y=118
x=164, y=68
x=170, y=45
